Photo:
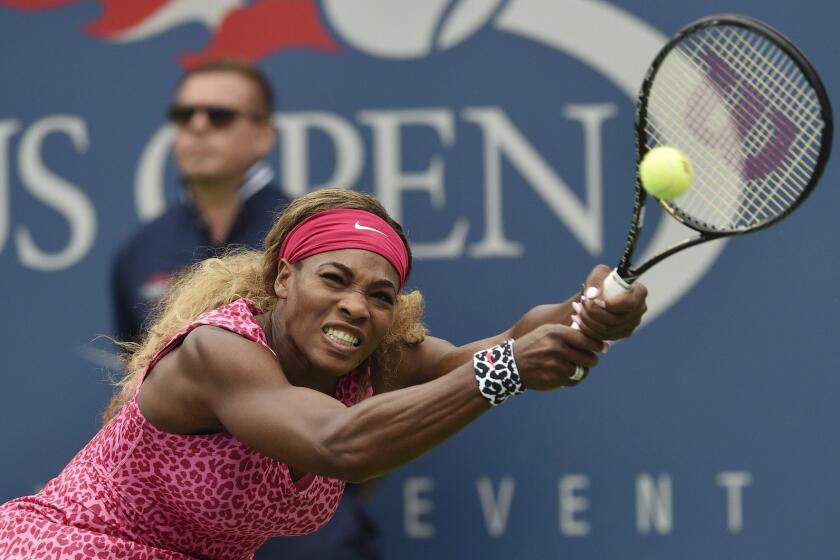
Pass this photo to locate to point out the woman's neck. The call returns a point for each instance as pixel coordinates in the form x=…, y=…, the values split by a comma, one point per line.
x=296, y=367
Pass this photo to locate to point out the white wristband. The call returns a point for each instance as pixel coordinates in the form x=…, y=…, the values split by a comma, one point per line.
x=496, y=373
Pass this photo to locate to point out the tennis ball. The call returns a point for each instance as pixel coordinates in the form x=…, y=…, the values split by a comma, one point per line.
x=665, y=172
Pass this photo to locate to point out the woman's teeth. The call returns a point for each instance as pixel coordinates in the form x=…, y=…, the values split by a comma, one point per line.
x=341, y=337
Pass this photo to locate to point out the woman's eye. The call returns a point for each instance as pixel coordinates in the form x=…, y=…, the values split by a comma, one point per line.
x=384, y=296
x=332, y=277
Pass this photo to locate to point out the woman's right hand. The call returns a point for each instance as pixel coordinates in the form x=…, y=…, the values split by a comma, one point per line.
x=547, y=356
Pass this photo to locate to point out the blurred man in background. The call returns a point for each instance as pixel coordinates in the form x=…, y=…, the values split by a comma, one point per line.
x=223, y=133
x=222, y=119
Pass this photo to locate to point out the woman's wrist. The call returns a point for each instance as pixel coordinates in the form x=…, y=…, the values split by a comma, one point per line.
x=496, y=373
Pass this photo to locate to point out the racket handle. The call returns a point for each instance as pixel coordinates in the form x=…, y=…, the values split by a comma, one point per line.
x=615, y=284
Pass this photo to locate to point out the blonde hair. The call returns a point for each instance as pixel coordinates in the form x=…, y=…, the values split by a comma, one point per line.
x=249, y=274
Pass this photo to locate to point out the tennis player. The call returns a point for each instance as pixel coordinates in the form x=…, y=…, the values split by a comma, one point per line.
x=269, y=379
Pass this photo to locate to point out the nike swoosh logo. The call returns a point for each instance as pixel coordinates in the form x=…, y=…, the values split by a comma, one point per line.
x=360, y=226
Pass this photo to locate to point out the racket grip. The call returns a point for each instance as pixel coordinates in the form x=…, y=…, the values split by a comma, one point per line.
x=615, y=284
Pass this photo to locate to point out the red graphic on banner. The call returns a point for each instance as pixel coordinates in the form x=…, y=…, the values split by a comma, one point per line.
x=119, y=16
x=265, y=28
x=36, y=4
x=251, y=32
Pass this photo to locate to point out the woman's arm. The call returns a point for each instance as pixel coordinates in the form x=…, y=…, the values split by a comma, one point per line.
x=243, y=387
x=600, y=319
x=435, y=357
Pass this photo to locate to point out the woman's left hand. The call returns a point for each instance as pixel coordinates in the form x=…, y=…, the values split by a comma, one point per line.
x=609, y=318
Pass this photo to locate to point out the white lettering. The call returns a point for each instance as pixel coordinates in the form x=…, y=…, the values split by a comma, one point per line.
x=571, y=503
x=294, y=146
x=7, y=129
x=390, y=181
x=496, y=508
x=415, y=506
x=653, y=504
x=149, y=184
x=502, y=138
x=493, y=124
x=734, y=481
x=57, y=193
x=591, y=117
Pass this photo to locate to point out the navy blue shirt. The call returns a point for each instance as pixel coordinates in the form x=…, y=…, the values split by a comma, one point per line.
x=148, y=259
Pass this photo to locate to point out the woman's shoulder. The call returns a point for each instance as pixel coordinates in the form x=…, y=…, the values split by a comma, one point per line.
x=214, y=348
x=222, y=351
x=237, y=317
x=210, y=364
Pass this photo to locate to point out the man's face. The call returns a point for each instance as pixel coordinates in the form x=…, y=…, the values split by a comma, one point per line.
x=221, y=151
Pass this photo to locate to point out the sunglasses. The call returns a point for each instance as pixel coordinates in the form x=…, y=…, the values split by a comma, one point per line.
x=218, y=117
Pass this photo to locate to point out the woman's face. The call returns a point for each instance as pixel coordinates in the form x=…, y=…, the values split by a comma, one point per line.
x=338, y=307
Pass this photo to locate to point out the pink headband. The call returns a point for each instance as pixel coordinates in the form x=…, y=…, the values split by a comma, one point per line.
x=345, y=228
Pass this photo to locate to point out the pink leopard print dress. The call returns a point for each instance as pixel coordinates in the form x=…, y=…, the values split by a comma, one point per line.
x=137, y=492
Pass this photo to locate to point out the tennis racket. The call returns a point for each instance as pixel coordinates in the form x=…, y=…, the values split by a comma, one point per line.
x=752, y=115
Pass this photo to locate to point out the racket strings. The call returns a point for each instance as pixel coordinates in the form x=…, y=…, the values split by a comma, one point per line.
x=746, y=116
x=767, y=70
x=762, y=69
x=778, y=94
x=754, y=138
x=713, y=206
x=789, y=95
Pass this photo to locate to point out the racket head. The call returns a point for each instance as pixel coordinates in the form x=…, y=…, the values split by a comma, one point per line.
x=749, y=111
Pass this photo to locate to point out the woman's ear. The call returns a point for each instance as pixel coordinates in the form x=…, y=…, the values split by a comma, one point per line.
x=285, y=271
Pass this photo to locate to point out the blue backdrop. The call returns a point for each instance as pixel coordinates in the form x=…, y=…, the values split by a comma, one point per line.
x=500, y=133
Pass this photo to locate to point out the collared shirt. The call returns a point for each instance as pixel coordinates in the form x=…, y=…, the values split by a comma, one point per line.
x=147, y=260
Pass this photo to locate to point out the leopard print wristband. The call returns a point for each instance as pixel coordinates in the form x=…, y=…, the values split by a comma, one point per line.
x=496, y=373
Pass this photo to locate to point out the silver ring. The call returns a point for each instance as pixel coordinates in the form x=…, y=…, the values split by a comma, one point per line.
x=580, y=371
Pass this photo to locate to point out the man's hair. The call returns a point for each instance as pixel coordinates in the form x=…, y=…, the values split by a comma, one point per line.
x=246, y=70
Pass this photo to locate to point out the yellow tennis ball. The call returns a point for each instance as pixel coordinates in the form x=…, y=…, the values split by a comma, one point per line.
x=666, y=172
